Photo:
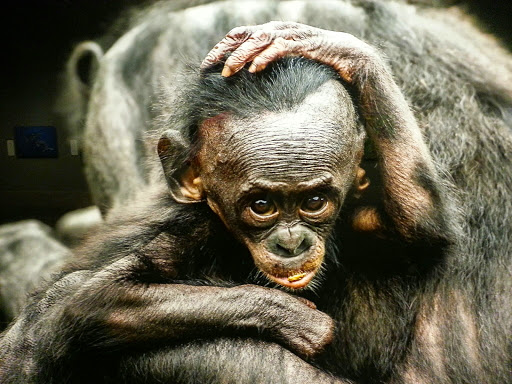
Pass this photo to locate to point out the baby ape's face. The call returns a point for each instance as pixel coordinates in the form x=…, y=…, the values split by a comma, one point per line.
x=278, y=180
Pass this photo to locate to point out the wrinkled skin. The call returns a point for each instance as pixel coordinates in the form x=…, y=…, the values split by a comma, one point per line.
x=287, y=238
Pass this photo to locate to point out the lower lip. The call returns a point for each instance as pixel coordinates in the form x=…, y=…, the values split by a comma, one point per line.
x=298, y=281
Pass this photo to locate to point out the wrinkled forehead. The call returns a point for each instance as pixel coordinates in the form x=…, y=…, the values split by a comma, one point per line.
x=317, y=136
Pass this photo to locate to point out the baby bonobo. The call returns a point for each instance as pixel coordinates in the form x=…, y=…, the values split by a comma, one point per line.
x=278, y=179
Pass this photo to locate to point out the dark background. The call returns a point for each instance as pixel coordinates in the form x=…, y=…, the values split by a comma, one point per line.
x=37, y=38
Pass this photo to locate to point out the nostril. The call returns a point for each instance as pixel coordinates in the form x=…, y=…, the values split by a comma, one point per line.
x=303, y=246
x=283, y=251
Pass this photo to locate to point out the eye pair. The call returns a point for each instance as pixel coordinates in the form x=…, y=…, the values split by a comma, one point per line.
x=267, y=207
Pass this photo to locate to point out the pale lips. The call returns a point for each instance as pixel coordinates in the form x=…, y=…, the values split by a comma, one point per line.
x=297, y=281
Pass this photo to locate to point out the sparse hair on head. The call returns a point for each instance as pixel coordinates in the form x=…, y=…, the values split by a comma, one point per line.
x=283, y=85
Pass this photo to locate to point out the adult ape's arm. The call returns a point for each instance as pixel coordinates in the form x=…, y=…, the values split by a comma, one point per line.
x=413, y=197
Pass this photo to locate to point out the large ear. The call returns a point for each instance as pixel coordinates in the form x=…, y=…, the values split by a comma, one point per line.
x=74, y=94
x=183, y=180
x=83, y=64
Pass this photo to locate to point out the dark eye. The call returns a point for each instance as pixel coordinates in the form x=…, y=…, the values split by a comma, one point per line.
x=263, y=207
x=314, y=204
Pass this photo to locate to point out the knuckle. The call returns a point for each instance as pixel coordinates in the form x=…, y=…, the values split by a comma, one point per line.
x=238, y=32
x=235, y=31
x=221, y=48
x=261, y=36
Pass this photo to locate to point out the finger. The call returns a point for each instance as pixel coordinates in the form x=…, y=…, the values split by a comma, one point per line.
x=231, y=41
x=215, y=55
x=309, y=303
x=245, y=53
x=279, y=48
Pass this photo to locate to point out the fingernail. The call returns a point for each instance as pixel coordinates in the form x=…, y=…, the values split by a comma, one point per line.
x=253, y=68
x=226, y=72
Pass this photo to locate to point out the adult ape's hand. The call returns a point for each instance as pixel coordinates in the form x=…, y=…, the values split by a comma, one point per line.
x=265, y=43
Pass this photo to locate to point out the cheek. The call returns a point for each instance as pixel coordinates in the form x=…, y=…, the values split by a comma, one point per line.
x=227, y=216
x=220, y=199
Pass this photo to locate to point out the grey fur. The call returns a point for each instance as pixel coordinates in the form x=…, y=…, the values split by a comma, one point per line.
x=29, y=254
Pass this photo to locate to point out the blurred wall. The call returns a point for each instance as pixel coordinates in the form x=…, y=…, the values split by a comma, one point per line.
x=37, y=39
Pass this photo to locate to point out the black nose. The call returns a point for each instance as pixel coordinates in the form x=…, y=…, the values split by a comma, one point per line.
x=291, y=242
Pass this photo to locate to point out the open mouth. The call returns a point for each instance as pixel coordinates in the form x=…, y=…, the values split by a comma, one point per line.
x=295, y=280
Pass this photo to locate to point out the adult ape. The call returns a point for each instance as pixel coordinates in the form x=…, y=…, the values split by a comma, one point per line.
x=393, y=303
